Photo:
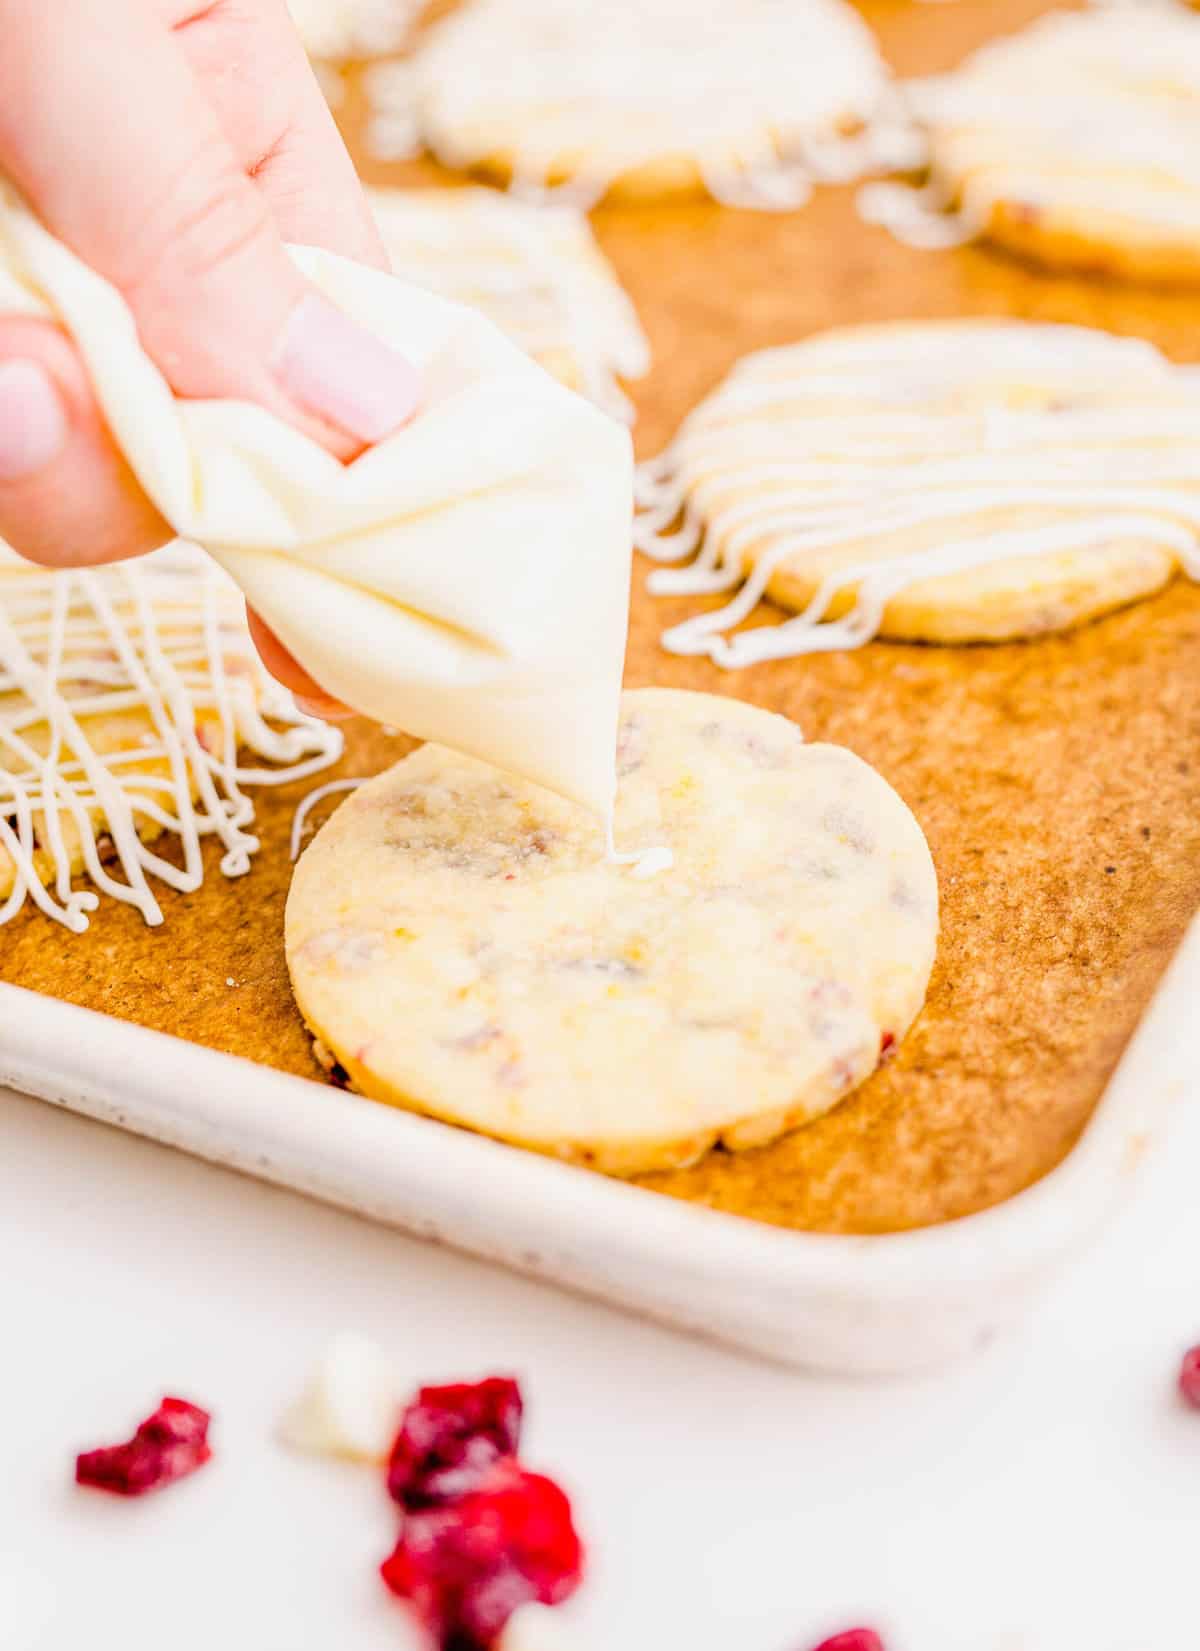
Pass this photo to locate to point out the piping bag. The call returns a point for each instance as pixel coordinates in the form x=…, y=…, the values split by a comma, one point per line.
x=466, y=579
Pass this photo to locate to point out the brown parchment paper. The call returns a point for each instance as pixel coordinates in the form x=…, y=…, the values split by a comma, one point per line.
x=1058, y=782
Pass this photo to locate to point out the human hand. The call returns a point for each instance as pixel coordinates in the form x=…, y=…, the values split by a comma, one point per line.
x=175, y=146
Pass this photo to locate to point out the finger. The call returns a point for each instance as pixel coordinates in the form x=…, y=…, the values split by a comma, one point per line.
x=286, y=668
x=251, y=66
x=329, y=710
x=192, y=246
x=67, y=497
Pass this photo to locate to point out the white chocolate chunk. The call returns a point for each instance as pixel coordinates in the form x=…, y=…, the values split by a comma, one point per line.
x=537, y=1628
x=351, y=1405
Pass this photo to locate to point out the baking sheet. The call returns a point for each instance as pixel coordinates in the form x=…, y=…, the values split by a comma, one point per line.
x=865, y=1305
x=1058, y=782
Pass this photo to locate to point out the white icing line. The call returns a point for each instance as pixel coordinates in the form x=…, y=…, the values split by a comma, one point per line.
x=159, y=636
x=920, y=218
x=308, y=803
x=825, y=444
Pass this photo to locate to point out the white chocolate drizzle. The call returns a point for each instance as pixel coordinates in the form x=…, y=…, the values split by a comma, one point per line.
x=646, y=862
x=652, y=861
x=536, y=272
x=922, y=218
x=764, y=100
x=1084, y=112
x=162, y=639
x=856, y=436
x=309, y=802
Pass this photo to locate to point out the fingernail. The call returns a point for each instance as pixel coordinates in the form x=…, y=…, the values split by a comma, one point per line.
x=332, y=367
x=33, y=420
x=328, y=710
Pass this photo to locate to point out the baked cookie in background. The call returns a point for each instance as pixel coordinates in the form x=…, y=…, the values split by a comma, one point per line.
x=1075, y=143
x=957, y=481
x=335, y=30
x=537, y=272
x=459, y=945
x=132, y=705
x=645, y=98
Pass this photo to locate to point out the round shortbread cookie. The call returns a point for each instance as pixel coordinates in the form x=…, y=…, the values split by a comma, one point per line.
x=536, y=271
x=647, y=98
x=1076, y=143
x=131, y=699
x=933, y=481
x=460, y=945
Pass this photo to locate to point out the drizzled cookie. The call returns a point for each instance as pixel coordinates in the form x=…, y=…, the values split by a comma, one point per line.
x=646, y=98
x=1075, y=142
x=937, y=481
x=132, y=706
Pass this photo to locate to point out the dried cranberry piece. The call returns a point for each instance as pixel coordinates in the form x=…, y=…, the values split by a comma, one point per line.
x=171, y=1443
x=450, y=1436
x=176, y=1422
x=466, y=1566
x=887, y=1048
x=854, y=1639
x=1189, y=1376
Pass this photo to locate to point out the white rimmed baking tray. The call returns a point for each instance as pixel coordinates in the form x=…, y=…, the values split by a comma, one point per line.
x=849, y=1304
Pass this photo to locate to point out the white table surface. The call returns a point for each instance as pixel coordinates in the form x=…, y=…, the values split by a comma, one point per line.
x=1043, y=1497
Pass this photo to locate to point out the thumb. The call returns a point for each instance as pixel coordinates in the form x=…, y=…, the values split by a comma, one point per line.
x=159, y=204
x=67, y=497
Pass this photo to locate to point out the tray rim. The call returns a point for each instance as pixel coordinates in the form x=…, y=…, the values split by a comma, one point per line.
x=854, y=1303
